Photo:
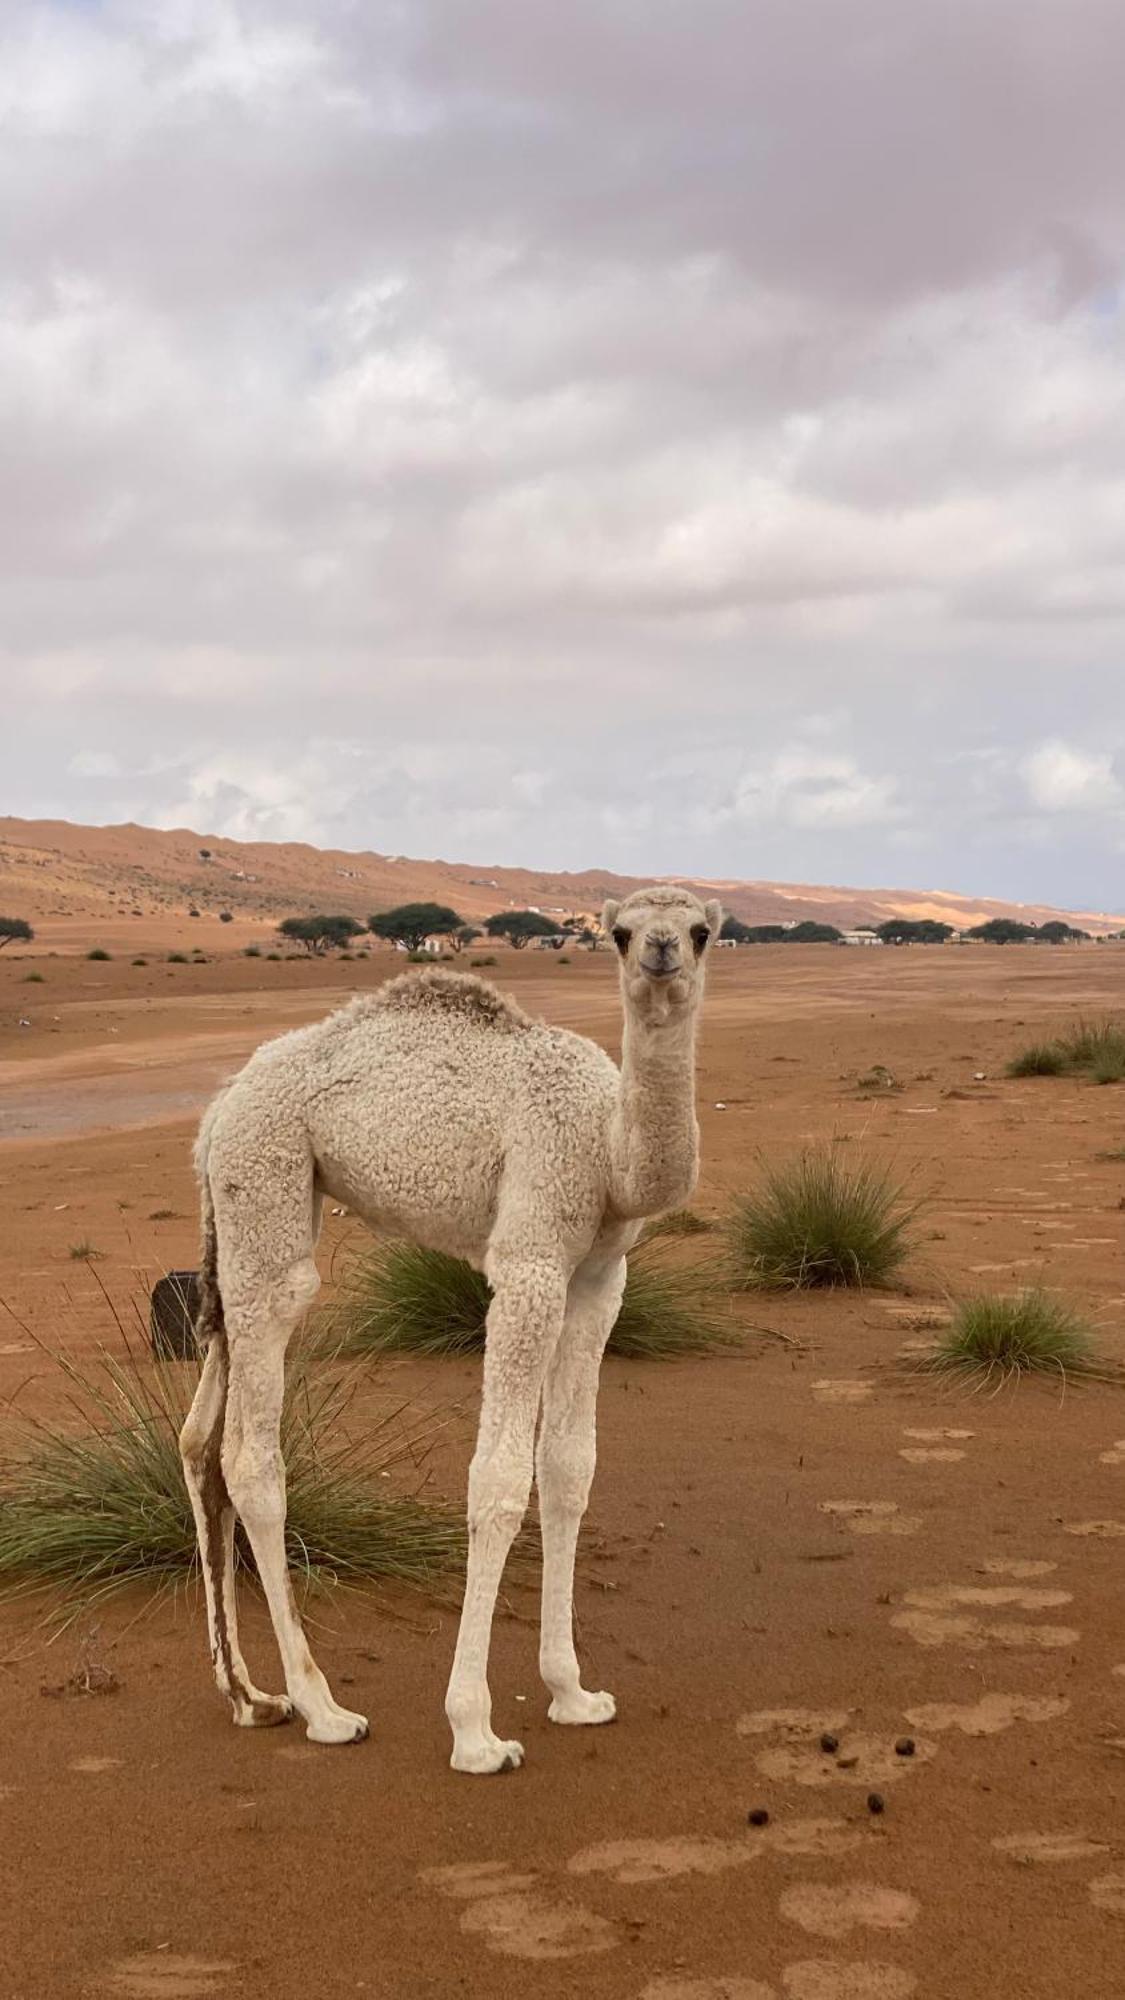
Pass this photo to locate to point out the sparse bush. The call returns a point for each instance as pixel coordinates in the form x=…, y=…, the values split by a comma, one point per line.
x=400, y=1295
x=225, y=917
x=1039, y=1059
x=83, y=1253
x=33, y=979
x=820, y=1221
x=140, y=961
x=106, y=1505
x=1095, y=1049
x=999, y=1336
x=98, y=953
x=177, y=958
x=275, y=956
x=478, y=962
x=562, y=959
x=251, y=951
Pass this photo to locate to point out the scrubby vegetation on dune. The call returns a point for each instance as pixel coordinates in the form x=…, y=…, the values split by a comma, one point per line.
x=820, y=1220
x=995, y=1337
x=402, y=1296
x=1094, y=1049
x=101, y=1502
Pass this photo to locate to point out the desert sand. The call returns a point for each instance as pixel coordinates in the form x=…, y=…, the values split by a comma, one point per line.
x=803, y=1536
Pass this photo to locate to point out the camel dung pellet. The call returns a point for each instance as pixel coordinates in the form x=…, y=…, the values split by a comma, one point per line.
x=758, y=1816
x=904, y=1747
x=875, y=1802
x=829, y=1742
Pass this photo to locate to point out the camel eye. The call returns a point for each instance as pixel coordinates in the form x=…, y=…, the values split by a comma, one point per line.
x=700, y=934
x=621, y=938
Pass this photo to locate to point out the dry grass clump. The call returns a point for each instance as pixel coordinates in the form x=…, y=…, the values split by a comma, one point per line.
x=820, y=1220
x=1095, y=1049
x=995, y=1337
x=102, y=1503
x=399, y=1295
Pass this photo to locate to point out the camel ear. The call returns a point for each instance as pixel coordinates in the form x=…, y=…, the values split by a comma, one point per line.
x=609, y=915
x=714, y=915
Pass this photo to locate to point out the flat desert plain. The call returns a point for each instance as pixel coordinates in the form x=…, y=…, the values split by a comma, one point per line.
x=807, y=1535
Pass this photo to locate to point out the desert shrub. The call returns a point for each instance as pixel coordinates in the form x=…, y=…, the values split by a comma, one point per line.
x=251, y=951
x=400, y=1295
x=83, y=1253
x=140, y=961
x=177, y=958
x=33, y=979
x=562, y=959
x=1095, y=1049
x=275, y=956
x=98, y=953
x=818, y=1220
x=477, y=962
x=225, y=917
x=1039, y=1059
x=1112, y=1153
x=996, y=1336
x=104, y=1504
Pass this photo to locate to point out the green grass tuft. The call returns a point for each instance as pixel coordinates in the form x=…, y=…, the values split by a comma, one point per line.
x=995, y=1337
x=819, y=1220
x=402, y=1296
x=1040, y=1059
x=83, y=1253
x=1095, y=1049
x=104, y=1504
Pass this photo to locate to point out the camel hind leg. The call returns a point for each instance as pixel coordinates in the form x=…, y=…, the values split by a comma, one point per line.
x=260, y=1319
x=200, y=1449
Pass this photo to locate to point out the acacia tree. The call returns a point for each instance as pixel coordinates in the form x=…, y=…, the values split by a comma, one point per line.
x=909, y=930
x=15, y=928
x=412, y=923
x=519, y=926
x=319, y=934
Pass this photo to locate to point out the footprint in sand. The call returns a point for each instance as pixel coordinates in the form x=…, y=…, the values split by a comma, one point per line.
x=93, y=1767
x=1115, y=1455
x=842, y=1391
x=504, y=1908
x=872, y=1517
x=820, y=1979
x=1044, y=1849
x=933, y=1618
x=798, y=1757
x=811, y=1979
x=1108, y=1893
x=166, y=1975
x=833, y=1910
x=661, y=1860
x=1107, y=1531
x=989, y=1715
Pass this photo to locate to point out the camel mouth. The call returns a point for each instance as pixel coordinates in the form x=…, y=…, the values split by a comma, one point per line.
x=659, y=971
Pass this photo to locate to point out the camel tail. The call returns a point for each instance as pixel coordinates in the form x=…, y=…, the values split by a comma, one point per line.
x=210, y=1324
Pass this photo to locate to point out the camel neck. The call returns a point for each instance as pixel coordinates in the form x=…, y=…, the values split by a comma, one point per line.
x=655, y=1138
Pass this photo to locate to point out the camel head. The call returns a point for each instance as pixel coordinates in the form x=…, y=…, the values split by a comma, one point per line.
x=662, y=937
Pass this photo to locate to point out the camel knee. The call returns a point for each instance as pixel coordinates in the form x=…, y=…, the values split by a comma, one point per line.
x=255, y=1479
x=499, y=1490
x=565, y=1472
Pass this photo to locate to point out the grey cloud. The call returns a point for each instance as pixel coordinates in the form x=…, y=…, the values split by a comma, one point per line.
x=484, y=430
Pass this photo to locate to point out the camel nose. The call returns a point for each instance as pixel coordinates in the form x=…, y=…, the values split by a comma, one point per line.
x=661, y=946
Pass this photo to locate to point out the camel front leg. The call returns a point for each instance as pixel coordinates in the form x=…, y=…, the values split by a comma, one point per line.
x=523, y=1325
x=564, y=1472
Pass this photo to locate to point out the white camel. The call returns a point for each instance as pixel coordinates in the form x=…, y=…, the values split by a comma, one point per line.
x=437, y=1108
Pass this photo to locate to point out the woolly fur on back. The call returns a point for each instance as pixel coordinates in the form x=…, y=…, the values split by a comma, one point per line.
x=459, y=993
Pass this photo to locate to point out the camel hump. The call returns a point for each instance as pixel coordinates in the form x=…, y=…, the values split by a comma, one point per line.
x=459, y=993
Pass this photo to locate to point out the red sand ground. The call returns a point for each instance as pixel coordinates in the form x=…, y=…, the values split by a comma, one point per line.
x=152, y=1850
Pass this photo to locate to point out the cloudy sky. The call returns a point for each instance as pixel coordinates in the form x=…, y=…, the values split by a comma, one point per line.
x=676, y=435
